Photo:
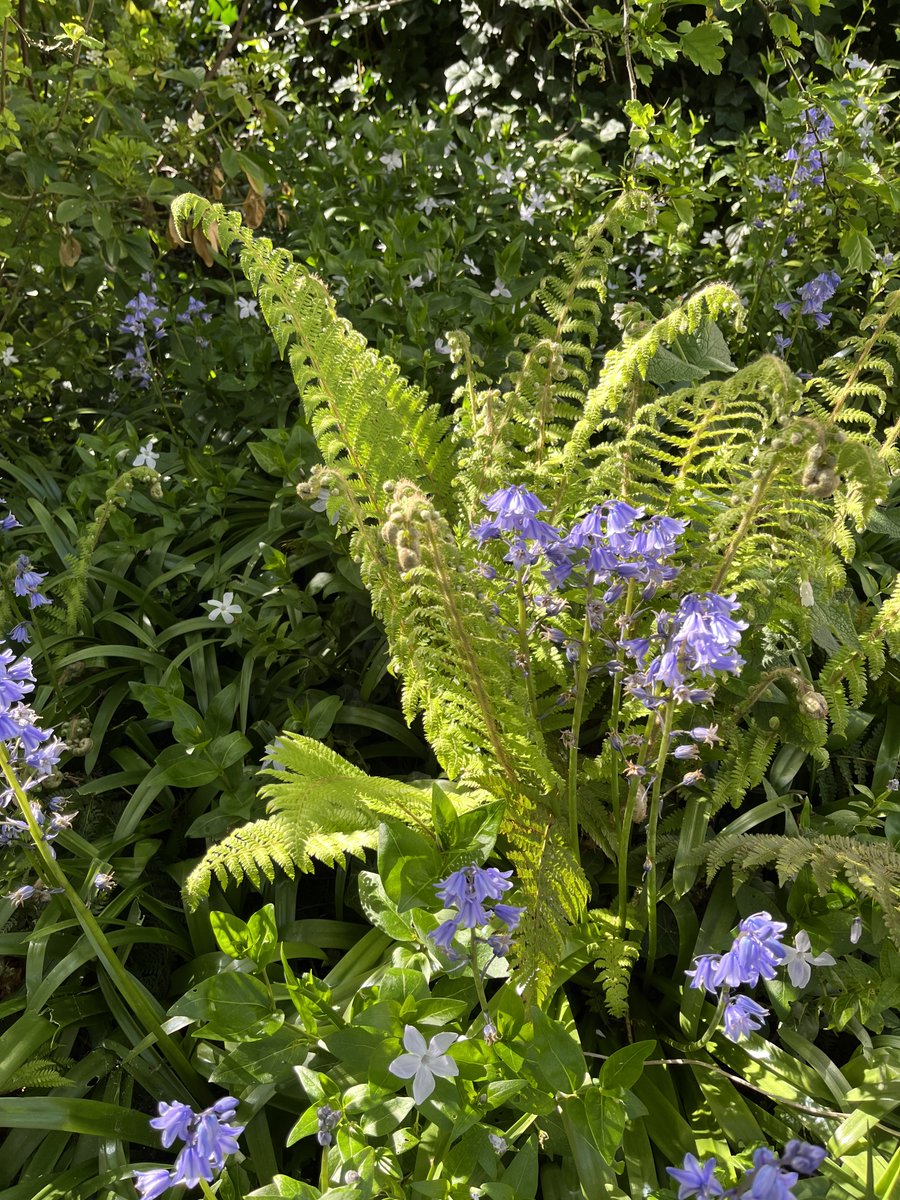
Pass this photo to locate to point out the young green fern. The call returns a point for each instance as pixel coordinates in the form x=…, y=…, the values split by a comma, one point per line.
x=871, y=867
x=769, y=481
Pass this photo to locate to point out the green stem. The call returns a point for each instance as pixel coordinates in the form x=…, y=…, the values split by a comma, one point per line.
x=714, y=1023
x=652, y=825
x=616, y=704
x=58, y=692
x=581, y=675
x=476, y=974
x=625, y=827
x=207, y=1190
x=524, y=648
x=52, y=873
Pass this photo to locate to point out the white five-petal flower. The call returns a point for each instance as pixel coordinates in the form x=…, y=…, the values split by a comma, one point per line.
x=423, y=1062
x=146, y=455
x=247, y=308
x=798, y=960
x=7, y=358
x=393, y=160
x=224, y=608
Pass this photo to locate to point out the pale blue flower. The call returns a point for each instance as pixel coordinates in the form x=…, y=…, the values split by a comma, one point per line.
x=696, y=1180
x=799, y=961
x=424, y=1062
x=742, y=1015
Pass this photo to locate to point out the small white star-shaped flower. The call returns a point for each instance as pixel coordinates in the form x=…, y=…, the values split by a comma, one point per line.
x=500, y=289
x=639, y=277
x=196, y=121
x=428, y=205
x=224, y=608
x=473, y=270
x=392, y=161
x=247, y=308
x=7, y=358
x=146, y=455
x=798, y=960
x=423, y=1062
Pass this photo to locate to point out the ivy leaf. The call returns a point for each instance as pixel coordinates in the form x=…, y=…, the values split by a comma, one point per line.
x=702, y=44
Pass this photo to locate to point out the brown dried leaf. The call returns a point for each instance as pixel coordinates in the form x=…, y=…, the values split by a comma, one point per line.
x=217, y=184
x=254, y=209
x=69, y=251
x=203, y=246
x=173, y=234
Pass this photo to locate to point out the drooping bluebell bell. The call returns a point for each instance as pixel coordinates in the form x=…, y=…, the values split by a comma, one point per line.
x=696, y=1179
x=755, y=954
x=27, y=582
x=8, y=520
x=742, y=1015
x=468, y=890
x=818, y=291
x=208, y=1136
x=770, y=1177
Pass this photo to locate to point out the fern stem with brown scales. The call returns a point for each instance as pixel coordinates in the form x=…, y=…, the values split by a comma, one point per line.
x=752, y=510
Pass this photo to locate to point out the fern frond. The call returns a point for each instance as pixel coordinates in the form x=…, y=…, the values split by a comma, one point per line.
x=365, y=417
x=555, y=892
x=320, y=807
x=871, y=867
x=628, y=364
x=615, y=956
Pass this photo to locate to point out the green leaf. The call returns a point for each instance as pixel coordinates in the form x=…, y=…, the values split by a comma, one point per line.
x=409, y=866
x=606, y=1116
x=554, y=1055
x=594, y=1174
x=381, y=910
x=522, y=1173
x=76, y=1116
x=639, y=114
x=283, y=1186
x=856, y=248
x=231, y=933
x=322, y=716
x=624, y=1067
x=702, y=44
x=263, y=933
x=68, y=210
x=235, y=1006
x=270, y=1060
x=444, y=818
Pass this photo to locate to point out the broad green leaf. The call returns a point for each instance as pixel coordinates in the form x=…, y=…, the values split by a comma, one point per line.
x=624, y=1067
x=702, y=44
x=409, y=866
x=236, y=1008
x=554, y=1055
